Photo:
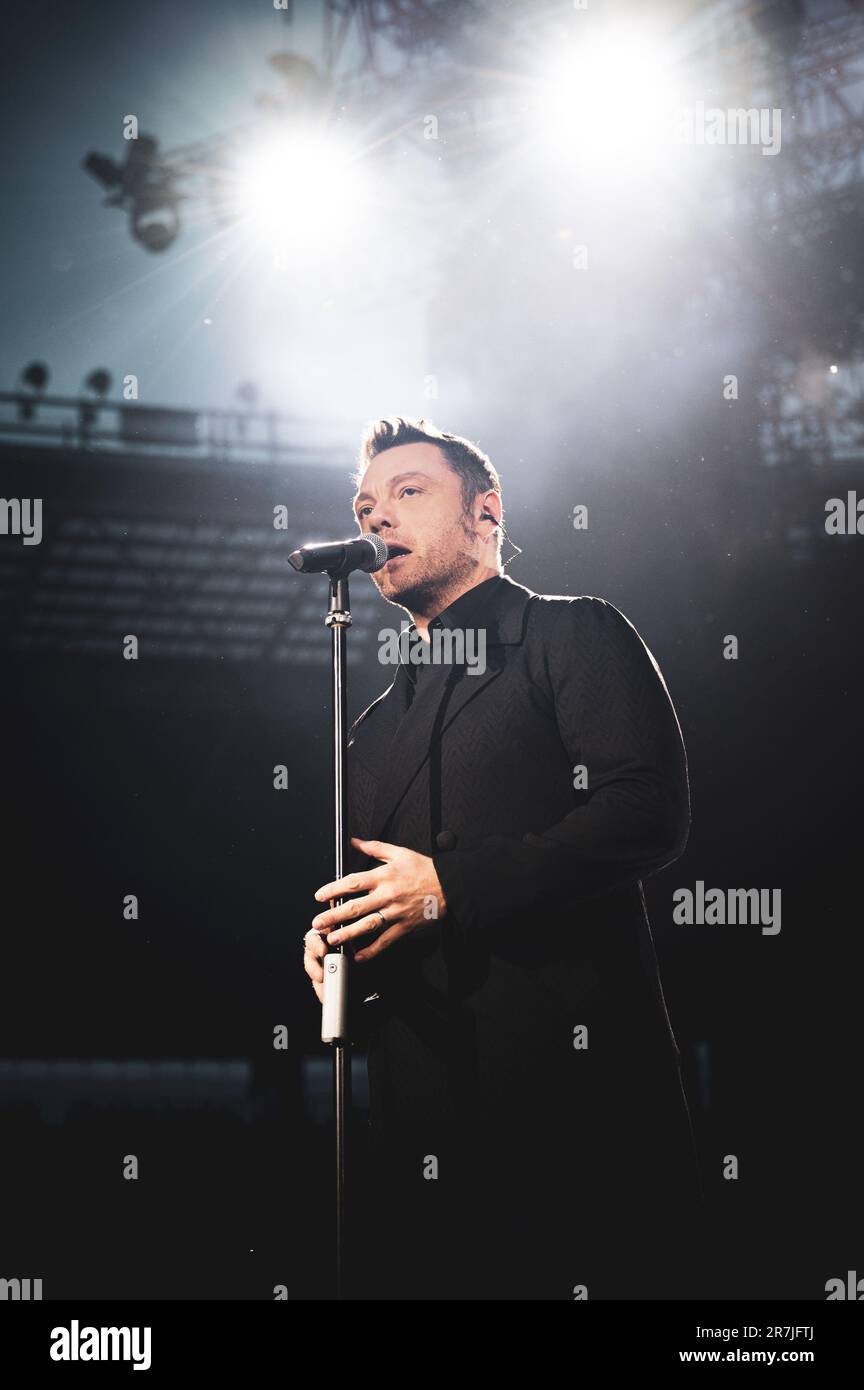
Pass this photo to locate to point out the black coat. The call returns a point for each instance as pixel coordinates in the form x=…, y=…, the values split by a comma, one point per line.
x=477, y=1037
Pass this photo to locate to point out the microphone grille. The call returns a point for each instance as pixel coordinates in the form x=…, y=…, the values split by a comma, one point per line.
x=379, y=557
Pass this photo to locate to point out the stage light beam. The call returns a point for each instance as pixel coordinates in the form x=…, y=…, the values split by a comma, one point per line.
x=301, y=192
x=610, y=103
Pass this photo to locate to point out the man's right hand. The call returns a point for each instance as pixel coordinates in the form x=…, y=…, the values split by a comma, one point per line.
x=315, y=948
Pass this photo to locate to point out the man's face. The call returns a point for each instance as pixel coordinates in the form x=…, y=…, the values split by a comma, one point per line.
x=409, y=496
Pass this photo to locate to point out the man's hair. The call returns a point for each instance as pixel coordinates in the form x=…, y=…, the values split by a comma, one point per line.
x=475, y=469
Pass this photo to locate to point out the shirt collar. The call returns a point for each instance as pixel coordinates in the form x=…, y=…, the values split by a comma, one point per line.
x=458, y=613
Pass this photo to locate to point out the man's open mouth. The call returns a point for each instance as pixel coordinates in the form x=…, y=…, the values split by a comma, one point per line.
x=396, y=552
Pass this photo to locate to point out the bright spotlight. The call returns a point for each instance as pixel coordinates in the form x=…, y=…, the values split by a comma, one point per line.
x=610, y=102
x=301, y=191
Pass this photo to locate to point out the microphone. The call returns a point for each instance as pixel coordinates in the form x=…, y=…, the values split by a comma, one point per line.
x=366, y=553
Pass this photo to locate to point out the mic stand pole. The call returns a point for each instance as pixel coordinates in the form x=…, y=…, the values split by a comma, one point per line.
x=337, y=961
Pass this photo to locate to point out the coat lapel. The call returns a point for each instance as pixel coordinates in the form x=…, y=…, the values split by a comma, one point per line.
x=397, y=744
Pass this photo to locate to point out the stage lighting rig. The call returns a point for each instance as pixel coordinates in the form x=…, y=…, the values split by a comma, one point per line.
x=146, y=187
x=365, y=44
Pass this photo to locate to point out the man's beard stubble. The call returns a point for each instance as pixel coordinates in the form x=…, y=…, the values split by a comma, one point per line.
x=426, y=594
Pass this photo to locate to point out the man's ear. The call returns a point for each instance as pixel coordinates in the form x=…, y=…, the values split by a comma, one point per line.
x=486, y=514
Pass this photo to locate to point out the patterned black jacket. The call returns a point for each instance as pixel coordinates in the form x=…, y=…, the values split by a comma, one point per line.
x=542, y=973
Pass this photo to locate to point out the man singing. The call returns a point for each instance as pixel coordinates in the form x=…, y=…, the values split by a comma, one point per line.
x=530, y=1133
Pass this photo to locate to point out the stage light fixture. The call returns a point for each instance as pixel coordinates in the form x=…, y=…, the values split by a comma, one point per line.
x=99, y=382
x=146, y=187
x=35, y=376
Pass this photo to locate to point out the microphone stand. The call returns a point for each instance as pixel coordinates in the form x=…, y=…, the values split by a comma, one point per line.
x=334, y=1015
x=337, y=559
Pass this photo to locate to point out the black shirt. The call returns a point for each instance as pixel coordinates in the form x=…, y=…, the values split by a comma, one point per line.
x=458, y=614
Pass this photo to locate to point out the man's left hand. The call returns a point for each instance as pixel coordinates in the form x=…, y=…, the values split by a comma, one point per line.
x=405, y=889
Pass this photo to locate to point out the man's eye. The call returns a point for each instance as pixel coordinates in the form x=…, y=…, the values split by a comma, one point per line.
x=362, y=510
